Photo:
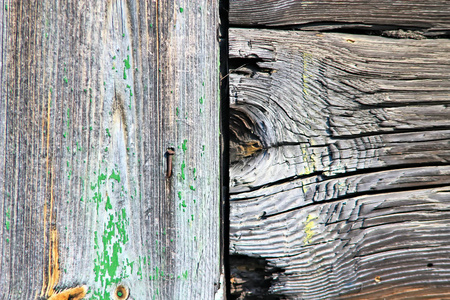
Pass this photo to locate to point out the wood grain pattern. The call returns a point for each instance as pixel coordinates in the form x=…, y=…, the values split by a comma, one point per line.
x=432, y=17
x=93, y=93
x=348, y=192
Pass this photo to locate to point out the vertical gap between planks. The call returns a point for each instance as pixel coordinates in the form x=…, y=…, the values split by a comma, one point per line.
x=224, y=129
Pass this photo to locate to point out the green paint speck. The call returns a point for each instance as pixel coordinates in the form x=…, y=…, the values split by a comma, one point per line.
x=115, y=176
x=179, y=195
x=183, y=165
x=65, y=79
x=184, y=145
x=192, y=188
x=127, y=62
x=200, y=100
x=181, y=9
x=107, y=132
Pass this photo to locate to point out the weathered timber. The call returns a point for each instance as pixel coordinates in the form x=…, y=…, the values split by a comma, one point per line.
x=340, y=173
x=429, y=17
x=94, y=97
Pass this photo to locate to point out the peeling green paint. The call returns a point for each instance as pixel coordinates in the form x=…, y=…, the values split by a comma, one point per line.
x=127, y=62
x=115, y=176
x=108, y=269
x=183, y=166
x=8, y=219
x=184, y=146
x=107, y=132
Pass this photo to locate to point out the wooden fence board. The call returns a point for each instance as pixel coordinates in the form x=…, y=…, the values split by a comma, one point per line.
x=340, y=167
x=93, y=94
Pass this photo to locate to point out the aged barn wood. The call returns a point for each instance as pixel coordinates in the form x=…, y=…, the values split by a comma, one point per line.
x=340, y=174
x=98, y=98
x=431, y=17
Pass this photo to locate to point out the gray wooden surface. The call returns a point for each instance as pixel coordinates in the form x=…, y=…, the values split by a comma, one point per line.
x=431, y=16
x=93, y=93
x=340, y=174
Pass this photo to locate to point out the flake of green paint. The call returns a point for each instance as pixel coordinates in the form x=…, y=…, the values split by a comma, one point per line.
x=81, y=199
x=131, y=93
x=108, y=204
x=192, y=188
x=65, y=79
x=68, y=165
x=183, y=165
x=107, y=132
x=136, y=69
x=128, y=86
x=181, y=9
x=123, y=34
x=85, y=90
x=114, y=57
x=115, y=176
x=124, y=74
x=51, y=91
x=90, y=128
x=200, y=100
x=184, y=146
x=127, y=62
x=192, y=219
x=7, y=240
x=64, y=135
x=6, y=7
x=185, y=274
x=183, y=204
x=65, y=70
x=179, y=195
x=113, y=68
x=178, y=111
x=106, y=149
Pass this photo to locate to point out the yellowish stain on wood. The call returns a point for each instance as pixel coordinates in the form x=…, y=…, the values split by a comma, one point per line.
x=309, y=233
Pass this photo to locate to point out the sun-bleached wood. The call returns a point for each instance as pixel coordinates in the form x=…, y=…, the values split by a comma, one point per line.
x=93, y=94
x=430, y=17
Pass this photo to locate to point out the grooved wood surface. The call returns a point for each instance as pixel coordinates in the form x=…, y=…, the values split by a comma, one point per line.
x=93, y=93
x=429, y=15
x=340, y=172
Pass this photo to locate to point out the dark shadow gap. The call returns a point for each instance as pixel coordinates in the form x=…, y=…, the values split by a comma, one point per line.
x=398, y=32
x=225, y=142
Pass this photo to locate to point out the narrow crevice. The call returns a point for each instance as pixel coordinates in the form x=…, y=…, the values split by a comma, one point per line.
x=357, y=194
x=395, y=131
x=321, y=177
x=389, y=31
x=225, y=143
x=248, y=66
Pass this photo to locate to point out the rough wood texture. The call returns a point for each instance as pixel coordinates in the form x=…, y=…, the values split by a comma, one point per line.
x=340, y=173
x=433, y=16
x=93, y=93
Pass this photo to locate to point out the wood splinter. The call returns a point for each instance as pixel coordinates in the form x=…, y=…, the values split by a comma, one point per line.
x=169, y=153
x=76, y=293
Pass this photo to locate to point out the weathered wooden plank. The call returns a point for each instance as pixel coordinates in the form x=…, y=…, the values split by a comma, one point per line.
x=93, y=94
x=327, y=14
x=339, y=163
